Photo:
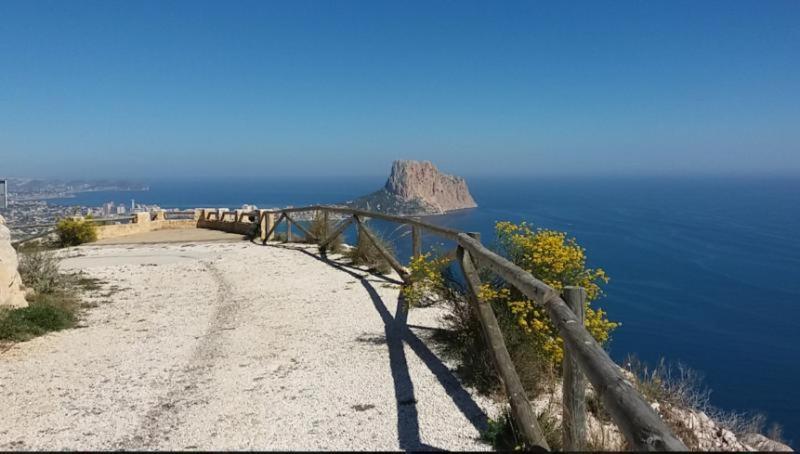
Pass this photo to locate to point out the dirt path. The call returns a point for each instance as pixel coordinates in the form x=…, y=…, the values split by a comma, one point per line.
x=235, y=346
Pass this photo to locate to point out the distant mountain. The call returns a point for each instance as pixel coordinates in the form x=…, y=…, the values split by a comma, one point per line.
x=28, y=186
x=417, y=188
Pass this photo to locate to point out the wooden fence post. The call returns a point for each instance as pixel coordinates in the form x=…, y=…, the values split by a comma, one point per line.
x=289, y=237
x=416, y=241
x=262, y=224
x=521, y=409
x=574, y=385
x=271, y=231
x=301, y=228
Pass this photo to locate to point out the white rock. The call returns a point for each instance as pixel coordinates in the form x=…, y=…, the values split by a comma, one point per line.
x=762, y=443
x=656, y=406
x=12, y=292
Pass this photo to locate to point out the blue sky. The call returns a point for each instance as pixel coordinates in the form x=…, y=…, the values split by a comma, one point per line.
x=160, y=88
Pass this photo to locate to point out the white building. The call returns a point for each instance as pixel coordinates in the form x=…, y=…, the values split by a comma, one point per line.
x=108, y=209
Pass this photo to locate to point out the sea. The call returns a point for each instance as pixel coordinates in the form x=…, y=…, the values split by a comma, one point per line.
x=705, y=271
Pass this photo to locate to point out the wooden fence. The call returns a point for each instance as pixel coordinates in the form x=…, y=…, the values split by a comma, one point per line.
x=584, y=358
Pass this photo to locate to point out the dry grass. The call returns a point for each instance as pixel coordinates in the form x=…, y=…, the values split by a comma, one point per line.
x=682, y=387
x=364, y=253
x=321, y=229
x=39, y=271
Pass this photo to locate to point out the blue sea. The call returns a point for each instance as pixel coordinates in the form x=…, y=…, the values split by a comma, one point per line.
x=704, y=271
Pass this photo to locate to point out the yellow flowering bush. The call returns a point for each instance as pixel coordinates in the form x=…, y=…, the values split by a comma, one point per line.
x=558, y=261
x=426, y=278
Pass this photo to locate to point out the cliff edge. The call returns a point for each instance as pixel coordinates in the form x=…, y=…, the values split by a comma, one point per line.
x=417, y=188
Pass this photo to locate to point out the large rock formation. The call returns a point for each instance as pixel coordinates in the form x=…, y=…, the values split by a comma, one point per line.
x=416, y=188
x=12, y=292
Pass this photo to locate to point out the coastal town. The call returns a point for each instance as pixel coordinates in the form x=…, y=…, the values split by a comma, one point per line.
x=30, y=208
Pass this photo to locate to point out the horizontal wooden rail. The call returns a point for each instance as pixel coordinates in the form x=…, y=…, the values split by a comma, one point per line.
x=301, y=228
x=444, y=232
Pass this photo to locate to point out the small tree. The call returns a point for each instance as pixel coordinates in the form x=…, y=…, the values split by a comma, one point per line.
x=72, y=232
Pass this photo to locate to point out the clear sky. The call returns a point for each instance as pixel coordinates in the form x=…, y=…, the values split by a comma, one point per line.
x=164, y=88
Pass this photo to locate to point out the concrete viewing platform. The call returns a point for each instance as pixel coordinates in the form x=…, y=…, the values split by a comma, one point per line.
x=171, y=236
x=198, y=340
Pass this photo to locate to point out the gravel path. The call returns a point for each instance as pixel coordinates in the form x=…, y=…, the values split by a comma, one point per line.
x=235, y=346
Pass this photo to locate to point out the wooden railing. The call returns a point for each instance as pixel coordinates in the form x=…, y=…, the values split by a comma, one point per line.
x=584, y=357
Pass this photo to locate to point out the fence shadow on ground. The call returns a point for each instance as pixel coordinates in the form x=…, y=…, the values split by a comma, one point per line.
x=398, y=334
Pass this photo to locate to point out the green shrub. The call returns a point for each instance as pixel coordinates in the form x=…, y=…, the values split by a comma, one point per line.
x=364, y=253
x=500, y=434
x=36, y=319
x=72, y=232
x=463, y=341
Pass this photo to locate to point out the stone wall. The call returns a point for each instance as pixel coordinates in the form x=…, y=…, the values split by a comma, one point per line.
x=242, y=228
x=142, y=223
x=233, y=221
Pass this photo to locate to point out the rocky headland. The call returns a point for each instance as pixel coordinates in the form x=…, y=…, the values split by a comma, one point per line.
x=417, y=188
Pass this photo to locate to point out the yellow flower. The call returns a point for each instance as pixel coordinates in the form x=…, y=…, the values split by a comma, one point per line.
x=557, y=261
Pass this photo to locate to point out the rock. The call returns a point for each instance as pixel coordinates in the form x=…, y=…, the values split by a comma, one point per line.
x=656, y=406
x=762, y=443
x=417, y=188
x=12, y=292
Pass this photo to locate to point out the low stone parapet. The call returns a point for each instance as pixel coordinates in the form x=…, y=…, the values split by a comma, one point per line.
x=235, y=222
x=142, y=224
